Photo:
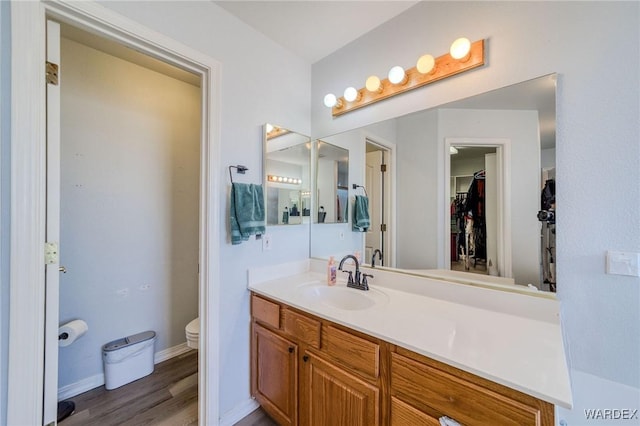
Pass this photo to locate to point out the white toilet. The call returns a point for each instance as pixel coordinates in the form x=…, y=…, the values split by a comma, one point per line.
x=192, y=331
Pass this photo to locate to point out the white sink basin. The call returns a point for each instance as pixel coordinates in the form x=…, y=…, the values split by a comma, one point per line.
x=342, y=297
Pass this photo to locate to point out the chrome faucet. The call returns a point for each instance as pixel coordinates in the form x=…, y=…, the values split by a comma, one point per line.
x=360, y=280
x=373, y=258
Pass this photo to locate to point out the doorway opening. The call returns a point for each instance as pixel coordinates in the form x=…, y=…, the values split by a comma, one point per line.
x=473, y=208
x=130, y=129
x=26, y=395
x=379, y=185
x=477, y=206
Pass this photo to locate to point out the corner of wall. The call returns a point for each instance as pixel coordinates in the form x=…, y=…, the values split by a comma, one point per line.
x=5, y=157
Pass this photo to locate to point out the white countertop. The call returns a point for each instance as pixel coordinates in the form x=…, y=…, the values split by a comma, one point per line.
x=524, y=352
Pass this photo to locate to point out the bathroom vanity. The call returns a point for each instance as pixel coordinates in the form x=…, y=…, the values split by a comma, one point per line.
x=401, y=354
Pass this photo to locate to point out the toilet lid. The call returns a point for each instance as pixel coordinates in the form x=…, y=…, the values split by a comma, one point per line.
x=193, y=328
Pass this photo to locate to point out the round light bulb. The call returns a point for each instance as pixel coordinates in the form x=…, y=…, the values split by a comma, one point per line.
x=460, y=48
x=279, y=179
x=397, y=75
x=426, y=64
x=350, y=94
x=330, y=100
x=373, y=84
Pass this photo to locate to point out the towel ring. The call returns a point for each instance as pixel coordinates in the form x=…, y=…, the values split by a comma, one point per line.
x=240, y=169
x=363, y=188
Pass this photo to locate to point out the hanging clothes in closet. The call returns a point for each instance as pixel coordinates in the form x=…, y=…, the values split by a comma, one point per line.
x=458, y=214
x=475, y=215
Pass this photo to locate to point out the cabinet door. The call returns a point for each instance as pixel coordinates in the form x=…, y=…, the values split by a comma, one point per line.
x=275, y=375
x=334, y=397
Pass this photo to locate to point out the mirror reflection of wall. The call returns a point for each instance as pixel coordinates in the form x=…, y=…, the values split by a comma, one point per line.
x=287, y=165
x=522, y=116
x=332, y=183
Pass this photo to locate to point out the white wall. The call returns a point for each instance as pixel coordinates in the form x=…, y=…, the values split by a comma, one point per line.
x=417, y=209
x=597, y=130
x=246, y=104
x=130, y=142
x=5, y=164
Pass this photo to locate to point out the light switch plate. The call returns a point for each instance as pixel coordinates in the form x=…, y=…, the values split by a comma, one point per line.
x=623, y=263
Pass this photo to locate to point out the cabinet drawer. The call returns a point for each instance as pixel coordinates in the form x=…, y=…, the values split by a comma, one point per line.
x=265, y=311
x=403, y=414
x=303, y=328
x=442, y=394
x=361, y=355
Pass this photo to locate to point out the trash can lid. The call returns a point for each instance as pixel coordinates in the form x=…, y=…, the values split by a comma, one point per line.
x=128, y=341
x=140, y=337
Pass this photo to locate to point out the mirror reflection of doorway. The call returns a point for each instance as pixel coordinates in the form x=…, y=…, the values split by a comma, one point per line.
x=473, y=203
x=378, y=185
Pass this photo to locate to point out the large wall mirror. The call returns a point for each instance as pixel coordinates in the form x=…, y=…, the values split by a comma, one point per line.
x=332, y=179
x=287, y=166
x=462, y=190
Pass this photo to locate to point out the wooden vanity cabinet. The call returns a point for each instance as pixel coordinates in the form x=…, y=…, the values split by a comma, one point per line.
x=333, y=396
x=309, y=371
x=312, y=372
x=423, y=390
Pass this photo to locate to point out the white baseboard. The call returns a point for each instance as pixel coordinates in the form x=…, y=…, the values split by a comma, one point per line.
x=239, y=412
x=80, y=386
x=169, y=353
x=86, y=384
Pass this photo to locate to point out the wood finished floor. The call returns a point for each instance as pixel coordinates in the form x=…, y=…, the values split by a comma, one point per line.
x=257, y=418
x=167, y=397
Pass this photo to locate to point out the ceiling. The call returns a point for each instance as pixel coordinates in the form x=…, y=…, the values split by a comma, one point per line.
x=314, y=29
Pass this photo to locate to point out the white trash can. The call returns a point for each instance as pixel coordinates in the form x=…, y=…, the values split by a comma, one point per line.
x=128, y=359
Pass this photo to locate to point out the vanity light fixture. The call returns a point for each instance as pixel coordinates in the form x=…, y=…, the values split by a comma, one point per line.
x=426, y=64
x=351, y=94
x=331, y=101
x=397, y=75
x=460, y=49
x=284, y=179
x=275, y=131
x=373, y=84
x=463, y=56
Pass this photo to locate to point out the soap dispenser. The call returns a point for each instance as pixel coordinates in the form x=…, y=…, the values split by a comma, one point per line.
x=331, y=271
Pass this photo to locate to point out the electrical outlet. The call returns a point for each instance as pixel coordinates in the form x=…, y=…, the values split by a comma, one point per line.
x=266, y=242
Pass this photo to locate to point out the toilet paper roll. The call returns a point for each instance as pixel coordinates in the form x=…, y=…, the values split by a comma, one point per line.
x=71, y=331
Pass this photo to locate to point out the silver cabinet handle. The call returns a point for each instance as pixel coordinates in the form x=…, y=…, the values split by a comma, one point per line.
x=62, y=269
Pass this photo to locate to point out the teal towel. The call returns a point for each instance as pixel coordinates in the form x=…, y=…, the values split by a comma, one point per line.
x=361, y=221
x=246, y=211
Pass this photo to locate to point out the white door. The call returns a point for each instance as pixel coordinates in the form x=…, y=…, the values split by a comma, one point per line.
x=491, y=213
x=379, y=193
x=373, y=183
x=52, y=268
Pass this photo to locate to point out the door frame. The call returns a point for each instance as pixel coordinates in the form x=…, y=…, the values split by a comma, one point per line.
x=28, y=190
x=503, y=162
x=390, y=148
